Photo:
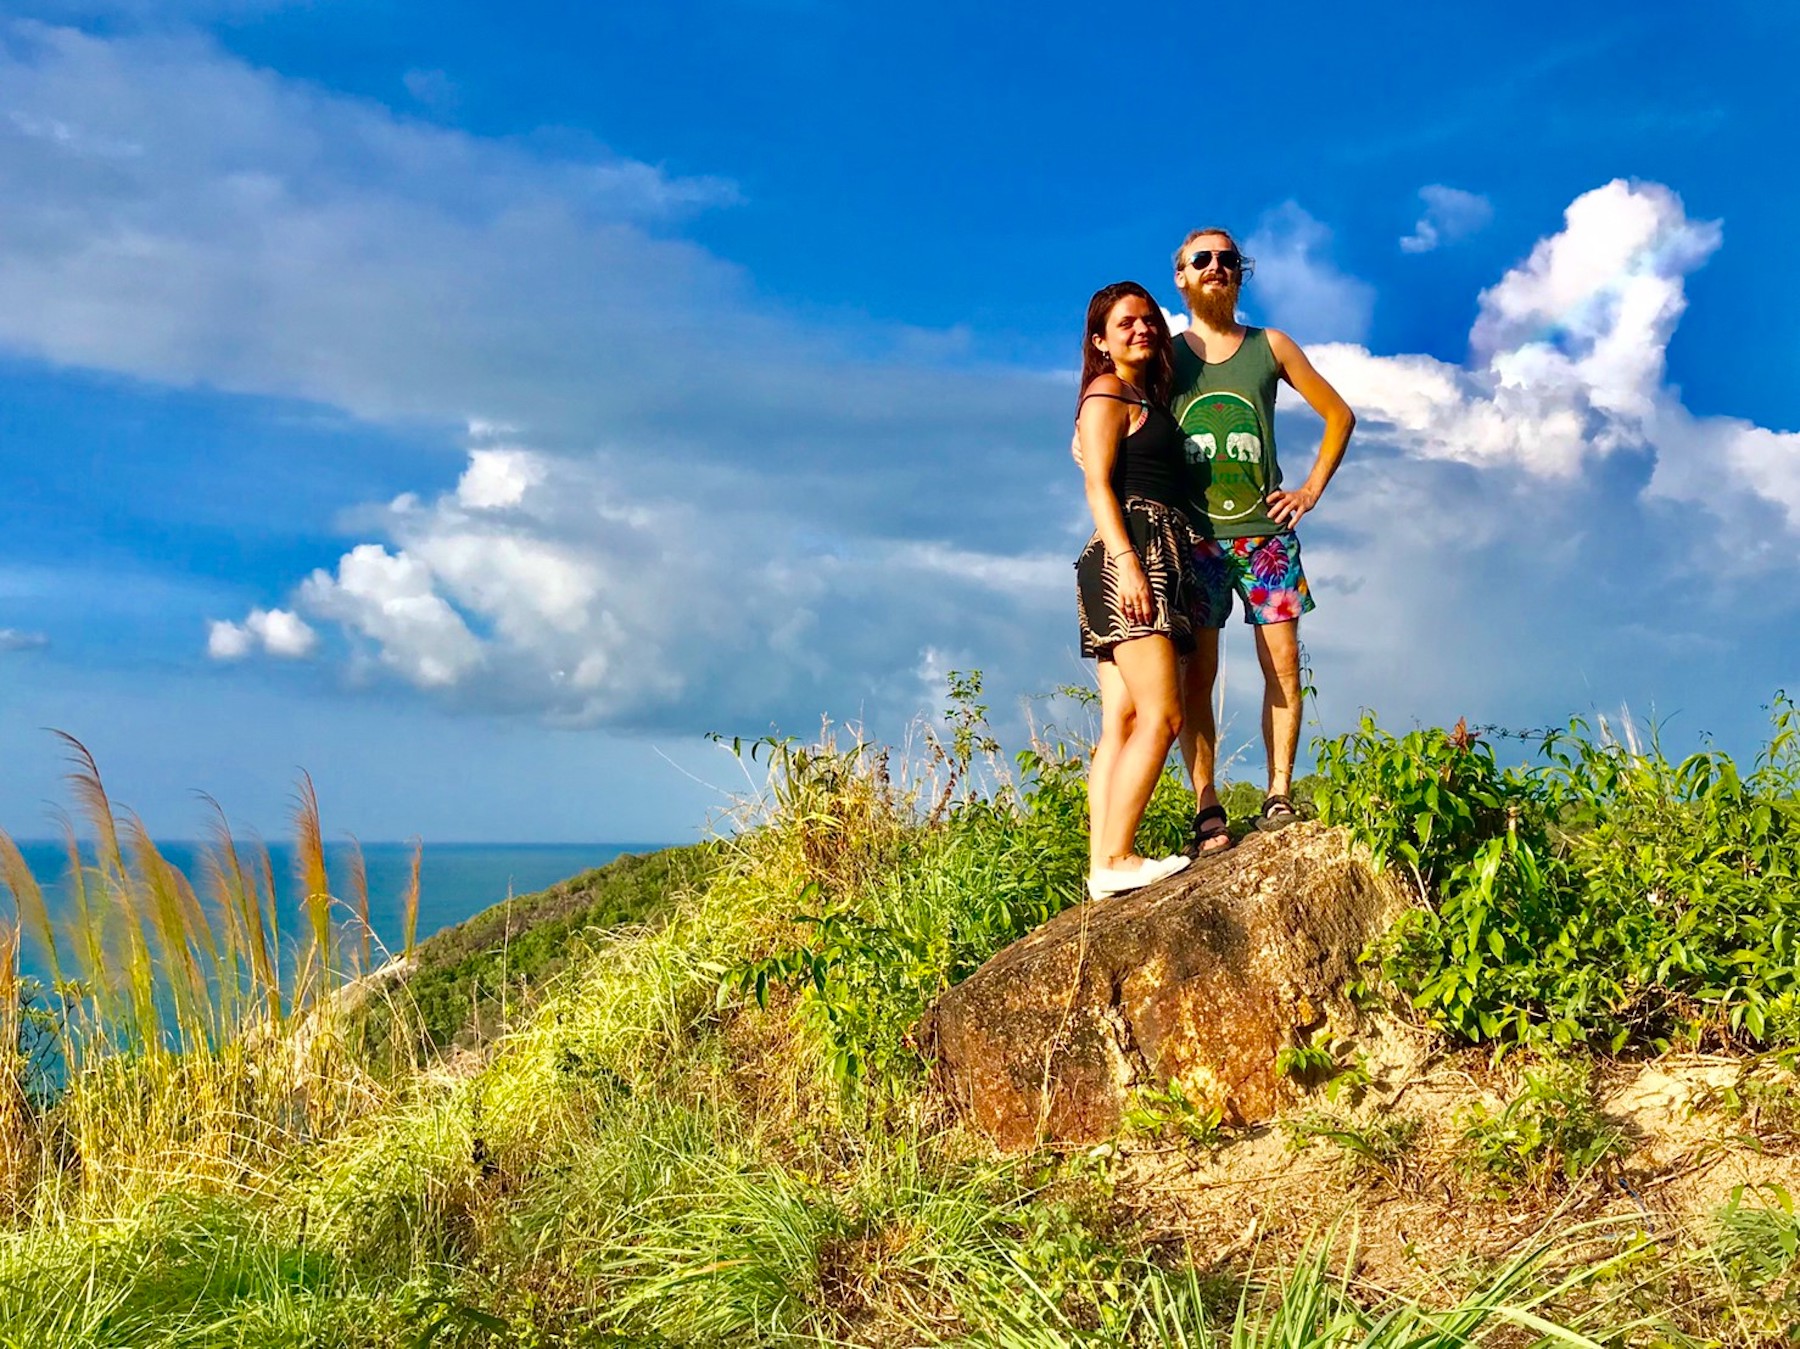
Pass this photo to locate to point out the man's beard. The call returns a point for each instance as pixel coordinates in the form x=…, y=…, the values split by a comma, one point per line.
x=1215, y=307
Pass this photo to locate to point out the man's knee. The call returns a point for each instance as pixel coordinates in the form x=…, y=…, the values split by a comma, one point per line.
x=1278, y=651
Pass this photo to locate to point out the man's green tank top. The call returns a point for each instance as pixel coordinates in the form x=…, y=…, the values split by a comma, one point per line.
x=1227, y=412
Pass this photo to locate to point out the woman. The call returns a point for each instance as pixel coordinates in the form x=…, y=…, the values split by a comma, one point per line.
x=1130, y=578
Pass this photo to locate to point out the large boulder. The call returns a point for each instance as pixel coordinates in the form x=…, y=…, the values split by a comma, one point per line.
x=1201, y=980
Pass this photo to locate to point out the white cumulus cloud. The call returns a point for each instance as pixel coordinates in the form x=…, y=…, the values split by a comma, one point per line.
x=389, y=599
x=497, y=478
x=1297, y=287
x=275, y=632
x=1450, y=214
x=564, y=585
x=592, y=605
x=1505, y=522
x=1567, y=363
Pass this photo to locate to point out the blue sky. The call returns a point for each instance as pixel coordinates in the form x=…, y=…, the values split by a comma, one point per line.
x=477, y=406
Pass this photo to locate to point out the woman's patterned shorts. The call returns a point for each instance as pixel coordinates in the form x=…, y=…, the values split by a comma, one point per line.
x=1164, y=543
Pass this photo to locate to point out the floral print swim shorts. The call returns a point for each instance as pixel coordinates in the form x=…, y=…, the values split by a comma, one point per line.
x=1264, y=571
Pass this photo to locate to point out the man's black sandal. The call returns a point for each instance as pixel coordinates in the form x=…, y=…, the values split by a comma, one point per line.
x=1210, y=823
x=1277, y=813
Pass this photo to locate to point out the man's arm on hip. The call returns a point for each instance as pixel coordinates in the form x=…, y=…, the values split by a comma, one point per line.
x=1286, y=508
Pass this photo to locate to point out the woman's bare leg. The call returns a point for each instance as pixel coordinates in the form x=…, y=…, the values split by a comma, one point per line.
x=1148, y=668
x=1116, y=717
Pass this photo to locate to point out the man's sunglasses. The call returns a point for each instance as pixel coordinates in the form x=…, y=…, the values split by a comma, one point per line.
x=1229, y=258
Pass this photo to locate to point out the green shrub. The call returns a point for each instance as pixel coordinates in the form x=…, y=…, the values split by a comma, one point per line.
x=1602, y=896
x=1308, y=1065
x=873, y=960
x=1759, y=1234
x=1551, y=1129
x=1427, y=800
x=1693, y=874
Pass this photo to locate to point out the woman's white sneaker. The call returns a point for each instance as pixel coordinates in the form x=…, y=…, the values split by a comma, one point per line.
x=1108, y=881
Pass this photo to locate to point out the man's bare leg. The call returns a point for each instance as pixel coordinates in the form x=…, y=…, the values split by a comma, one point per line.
x=1278, y=652
x=1199, y=733
x=1199, y=737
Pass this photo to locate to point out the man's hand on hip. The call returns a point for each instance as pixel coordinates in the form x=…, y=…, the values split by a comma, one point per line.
x=1286, y=508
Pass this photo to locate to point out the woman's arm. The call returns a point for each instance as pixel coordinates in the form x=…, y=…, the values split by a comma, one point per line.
x=1286, y=508
x=1100, y=430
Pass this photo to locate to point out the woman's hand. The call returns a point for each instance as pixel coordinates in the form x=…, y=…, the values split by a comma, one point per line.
x=1135, y=600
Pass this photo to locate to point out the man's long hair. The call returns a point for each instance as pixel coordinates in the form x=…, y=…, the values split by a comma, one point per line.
x=1159, y=371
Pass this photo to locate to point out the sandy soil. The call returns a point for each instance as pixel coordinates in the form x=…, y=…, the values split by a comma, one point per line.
x=1697, y=1126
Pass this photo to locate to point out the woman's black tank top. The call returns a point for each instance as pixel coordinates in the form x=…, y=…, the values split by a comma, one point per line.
x=1150, y=463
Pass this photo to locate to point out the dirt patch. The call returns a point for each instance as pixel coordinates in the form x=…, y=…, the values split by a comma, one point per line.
x=1421, y=1221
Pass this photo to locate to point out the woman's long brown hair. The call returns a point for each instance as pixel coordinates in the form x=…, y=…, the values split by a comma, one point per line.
x=1159, y=372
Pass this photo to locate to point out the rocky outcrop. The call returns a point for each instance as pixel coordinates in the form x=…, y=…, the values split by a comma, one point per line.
x=1201, y=980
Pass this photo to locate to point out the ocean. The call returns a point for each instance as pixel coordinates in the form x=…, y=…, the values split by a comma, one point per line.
x=456, y=880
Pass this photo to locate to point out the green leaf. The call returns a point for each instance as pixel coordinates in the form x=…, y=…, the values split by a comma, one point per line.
x=1753, y=1019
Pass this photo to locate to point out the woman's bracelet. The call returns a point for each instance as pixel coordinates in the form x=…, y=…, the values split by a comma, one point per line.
x=1125, y=552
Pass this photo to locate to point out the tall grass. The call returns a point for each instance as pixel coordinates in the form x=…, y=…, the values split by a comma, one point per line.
x=1316, y=1302
x=191, y=1046
x=194, y=1274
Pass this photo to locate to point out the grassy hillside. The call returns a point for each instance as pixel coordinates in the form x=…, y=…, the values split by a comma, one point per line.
x=466, y=976
x=713, y=1126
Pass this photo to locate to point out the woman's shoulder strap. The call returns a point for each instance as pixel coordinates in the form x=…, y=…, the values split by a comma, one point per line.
x=1111, y=386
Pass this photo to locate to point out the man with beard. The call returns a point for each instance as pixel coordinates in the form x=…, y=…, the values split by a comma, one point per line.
x=1225, y=380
